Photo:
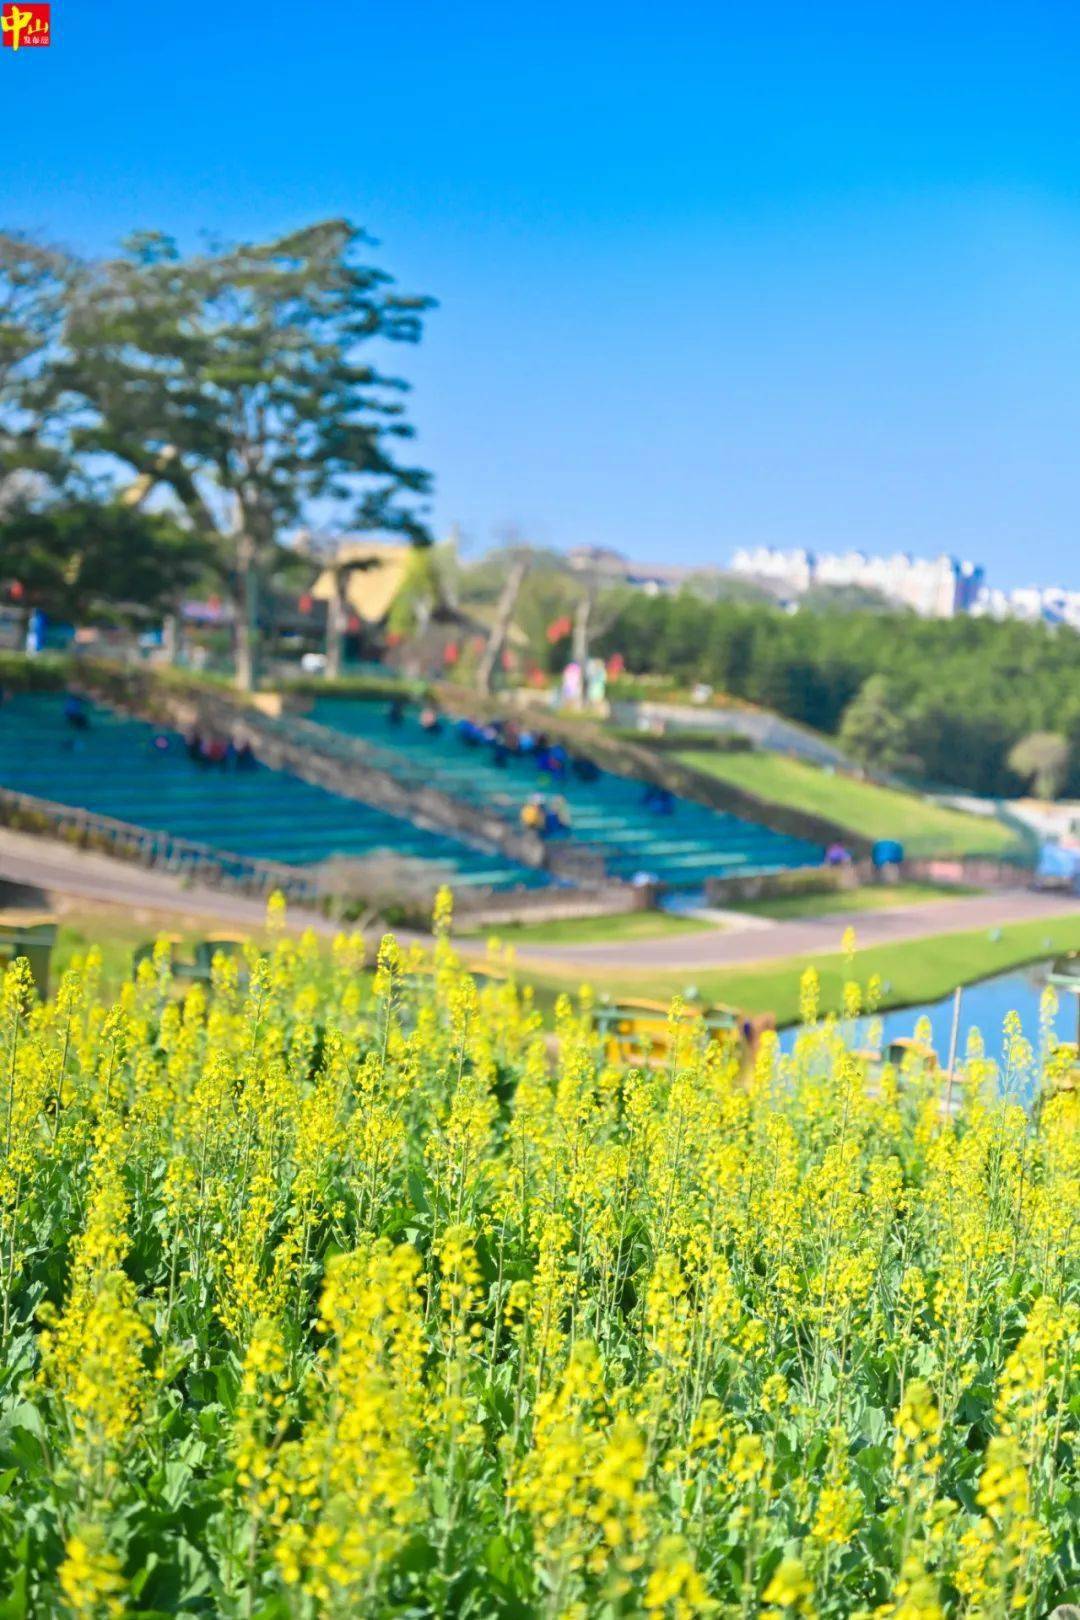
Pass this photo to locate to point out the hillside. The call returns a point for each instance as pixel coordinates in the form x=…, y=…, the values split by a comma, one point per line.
x=861, y=807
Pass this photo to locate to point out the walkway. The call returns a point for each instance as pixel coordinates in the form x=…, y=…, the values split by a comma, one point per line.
x=82, y=875
x=85, y=875
x=818, y=936
x=764, y=728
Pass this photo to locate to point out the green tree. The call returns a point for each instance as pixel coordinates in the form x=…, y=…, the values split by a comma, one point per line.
x=80, y=559
x=1041, y=758
x=239, y=381
x=35, y=288
x=421, y=594
x=966, y=689
x=873, y=731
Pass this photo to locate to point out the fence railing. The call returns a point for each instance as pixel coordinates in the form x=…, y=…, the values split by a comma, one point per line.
x=156, y=850
x=569, y=858
x=222, y=869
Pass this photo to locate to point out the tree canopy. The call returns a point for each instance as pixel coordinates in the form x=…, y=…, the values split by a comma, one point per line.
x=35, y=287
x=80, y=559
x=873, y=730
x=1041, y=758
x=239, y=387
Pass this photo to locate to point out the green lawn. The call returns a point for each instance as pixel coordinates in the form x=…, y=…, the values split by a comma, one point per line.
x=600, y=930
x=911, y=972
x=861, y=807
x=880, y=898
x=116, y=936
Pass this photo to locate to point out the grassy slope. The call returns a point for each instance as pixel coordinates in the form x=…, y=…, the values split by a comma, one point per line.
x=912, y=972
x=863, y=807
x=115, y=935
x=823, y=905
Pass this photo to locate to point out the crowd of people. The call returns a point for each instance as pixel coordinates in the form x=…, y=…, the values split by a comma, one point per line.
x=209, y=748
x=504, y=740
x=202, y=748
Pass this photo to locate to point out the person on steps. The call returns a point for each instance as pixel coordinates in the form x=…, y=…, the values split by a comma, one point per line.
x=75, y=712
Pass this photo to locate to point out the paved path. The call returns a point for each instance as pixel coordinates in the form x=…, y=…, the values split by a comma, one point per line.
x=88, y=876
x=761, y=726
x=85, y=875
x=816, y=936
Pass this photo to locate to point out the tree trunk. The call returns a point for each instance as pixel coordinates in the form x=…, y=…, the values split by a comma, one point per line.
x=336, y=621
x=247, y=617
x=170, y=637
x=582, y=626
x=500, y=629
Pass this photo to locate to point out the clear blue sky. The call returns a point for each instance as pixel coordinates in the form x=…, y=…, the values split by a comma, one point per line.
x=709, y=274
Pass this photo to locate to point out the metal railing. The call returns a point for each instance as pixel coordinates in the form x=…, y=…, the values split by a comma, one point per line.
x=157, y=850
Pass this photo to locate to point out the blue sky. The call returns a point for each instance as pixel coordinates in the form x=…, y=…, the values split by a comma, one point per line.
x=708, y=274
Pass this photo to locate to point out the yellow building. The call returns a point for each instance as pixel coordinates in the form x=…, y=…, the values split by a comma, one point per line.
x=365, y=578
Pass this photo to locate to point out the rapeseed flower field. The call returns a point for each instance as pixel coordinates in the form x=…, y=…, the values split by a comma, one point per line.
x=325, y=1294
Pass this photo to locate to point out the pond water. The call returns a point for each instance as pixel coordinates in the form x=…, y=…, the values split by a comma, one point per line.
x=983, y=1007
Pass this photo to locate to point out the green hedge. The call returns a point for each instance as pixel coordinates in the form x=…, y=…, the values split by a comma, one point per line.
x=354, y=686
x=46, y=672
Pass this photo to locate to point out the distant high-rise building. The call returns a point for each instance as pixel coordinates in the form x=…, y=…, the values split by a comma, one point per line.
x=1035, y=603
x=792, y=569
x=936, y=587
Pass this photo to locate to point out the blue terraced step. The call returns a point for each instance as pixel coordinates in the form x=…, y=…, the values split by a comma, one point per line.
x=113, y=769
x=681, y=849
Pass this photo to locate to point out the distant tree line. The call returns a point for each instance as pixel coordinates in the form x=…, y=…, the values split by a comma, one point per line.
x=949, y=701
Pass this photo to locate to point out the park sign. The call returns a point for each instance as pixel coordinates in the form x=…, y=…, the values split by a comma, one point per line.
x=24, y=25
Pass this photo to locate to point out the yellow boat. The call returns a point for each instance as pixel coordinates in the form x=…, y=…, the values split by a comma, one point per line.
x=639, y=1031
x=905, y=1048
x=904, y=1054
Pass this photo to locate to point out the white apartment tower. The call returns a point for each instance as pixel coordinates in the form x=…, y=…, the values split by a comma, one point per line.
x=935, y=587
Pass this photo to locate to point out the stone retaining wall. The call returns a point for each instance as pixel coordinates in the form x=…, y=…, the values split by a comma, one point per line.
x=552, y=904
x=751, y=886
x=961, y=873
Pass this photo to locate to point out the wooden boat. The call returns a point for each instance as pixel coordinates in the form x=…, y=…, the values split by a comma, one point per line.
x=904, y=1054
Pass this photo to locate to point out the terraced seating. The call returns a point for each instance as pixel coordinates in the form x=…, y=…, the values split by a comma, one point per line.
x=681, y=849
x=114, y=769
